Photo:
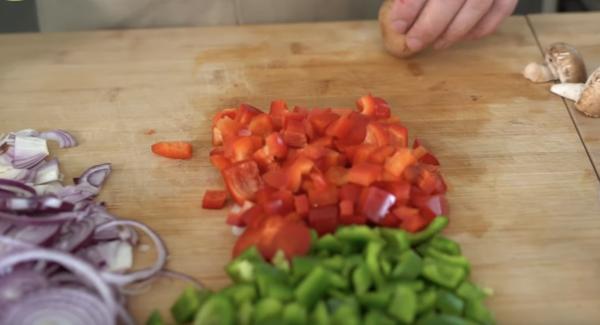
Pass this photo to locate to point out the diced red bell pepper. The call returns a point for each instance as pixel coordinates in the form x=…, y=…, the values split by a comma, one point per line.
x=218, y=159
x=294, y=134
x=245, y=114
x=364, y=174
x=432, y=206
x=242, y=180
x=349, y=129
x=427, y=181
x=366, y=105
x=336, y=175
x=320, y=120
x=313, y=151
x=173, y=149
x=279, y=203
x=301, y=205
x=440, y=185
x=227, y=112
x=389, y=220
x=276, y=178
x=350, y=192
x=326, y=142
x=377, y=134
x=214, y=199
x=301, y=166
x=398, y=135
x=323, y=196
x=381, y=154
x=243, y=148
x=346, y=209
x=363, y=153
x=225, y=128
x=400, y=189
x=333, y=158
x=382, y=108
x=323, y=219
x=252, y=215
x=397, y=163
x=318, y=180
x=375, y=203
x=410, y=219
x=275, y=145
x=278, y=112
x=261, y=125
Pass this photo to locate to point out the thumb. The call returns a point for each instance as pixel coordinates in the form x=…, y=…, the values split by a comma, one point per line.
x=404, y=13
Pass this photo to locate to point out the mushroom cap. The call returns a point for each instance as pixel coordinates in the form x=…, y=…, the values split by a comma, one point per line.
x=566, y=63
x=393, y=42
x=589, y=102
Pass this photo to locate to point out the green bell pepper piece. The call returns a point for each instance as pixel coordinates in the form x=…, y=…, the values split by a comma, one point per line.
x=244, y=313
x=241, y=270
x=251, y=254
x=281, y=262
x=346, y=314
x=295, y=314
x=477, y=311
x=386, y=265
x=427, y=300
x=361, y=279
x=330, y=244
x=357, y=236
x=188, y=304
x=155, y=319
x=372, y=260
x=456, y=260
x=403, y=306
x=414, y=285
x=241, y=292
x=337, y=281
x=268, y=311
x=449, y=303
x=443, y=274
x=376, y=299
x=437, y=225
x=409, y=266
x=312, y=287
x=302, y=265
x=469, y=291
x=376, y=317
x=397, y=239
x=350, y=263
x=280, y=292
x=443, y=319
x=216, y=310
x=335, y=263
x=320, y=315
x=445, y=245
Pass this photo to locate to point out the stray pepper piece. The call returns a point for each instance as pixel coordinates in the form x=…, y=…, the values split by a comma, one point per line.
x=155, y=319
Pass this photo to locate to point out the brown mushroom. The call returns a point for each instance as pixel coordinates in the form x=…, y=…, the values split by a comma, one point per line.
x=563, y=62
x=586, y=96
x=393, y=42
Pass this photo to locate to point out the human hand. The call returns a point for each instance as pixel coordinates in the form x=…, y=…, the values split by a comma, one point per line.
x=445, y=22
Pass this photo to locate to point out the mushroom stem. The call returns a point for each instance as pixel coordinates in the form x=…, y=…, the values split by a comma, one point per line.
x=570, y=91
x=538, y=72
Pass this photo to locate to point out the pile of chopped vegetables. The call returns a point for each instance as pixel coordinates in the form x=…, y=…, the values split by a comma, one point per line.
x=288, y=170
x=63, y=258
x=357, y=275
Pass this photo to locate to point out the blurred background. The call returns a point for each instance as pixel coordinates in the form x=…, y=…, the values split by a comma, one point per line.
x=72, y=15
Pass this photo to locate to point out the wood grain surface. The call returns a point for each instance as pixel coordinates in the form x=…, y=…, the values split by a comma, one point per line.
x=582, y=31
x=523, y=194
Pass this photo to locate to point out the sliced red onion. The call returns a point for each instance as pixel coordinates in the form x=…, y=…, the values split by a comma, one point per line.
x=67, y=306
x=75, y=234
x=64, y=138
x=4, y=226
x=36, y=204
x=95, y=175
x=17, y=284
x=48, y=188
x=36, y=235
x=15, y=187
x=47, y=172
x=9, y=172
x=26, y=133
x=29, y=151
x=161, y=251
x=41, y=219
x=117, y=254
x=73, y=264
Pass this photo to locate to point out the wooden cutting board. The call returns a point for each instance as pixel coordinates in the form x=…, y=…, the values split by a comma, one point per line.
x=523, y=195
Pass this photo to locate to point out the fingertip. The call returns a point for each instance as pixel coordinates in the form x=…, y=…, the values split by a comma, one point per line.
x=414, y=44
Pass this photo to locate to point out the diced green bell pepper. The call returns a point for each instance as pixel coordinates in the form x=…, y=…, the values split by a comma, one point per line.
x=372, y=260
x=445, y=244
x=443, y=274
x=335, y=263
x=268, y=311
x=376, y=299
x=449, y=303
x=436, y=225
x=443, y=319
x=376, y=317
x=403, y=306
x=294, y=314
x=281, y=262
x=217, y=310
x=312, y=287
x=456, y=260
x=357, y=235
x=477, y=311
x=427, y=300
x=188, y=304
x=241, y=292
x=409, y=266
x=244, y=313
x=469, y=291
x=303, y=265
x=361, y=279
x=330, y=244
x=155, y=319
x=320, y=314
x=396, y=238
x=346, y=314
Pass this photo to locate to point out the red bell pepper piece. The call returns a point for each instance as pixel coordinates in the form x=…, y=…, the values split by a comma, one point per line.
x=320, y=120
x=242, y=180
x=275, y=146
x=397, y=163
x=380, y=155
x=323, y=196
x=323, y=219
x=173, y=149
x=278, y=112
x=294, y=133
x=377, y=134
x=261, y=125
x=218, y=159
x=276, y=178
x=375, y=203
x=400, y=189
x=350, y=192
x=364, y=174
x=214, y=199
x=246, y=113
x=336, y=175
x=398, y=135
x=346, y=209
x=363, y=153
x=301, y=205
x=301, y=166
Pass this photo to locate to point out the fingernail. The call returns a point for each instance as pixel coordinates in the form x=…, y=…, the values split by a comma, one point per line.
x=399, y=26
x=414, y=44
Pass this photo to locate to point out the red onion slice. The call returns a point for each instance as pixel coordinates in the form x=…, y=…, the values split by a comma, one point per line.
x=161, y=260
x=16, y=188
x=17, y=284
x=65, y=306
x=75, y=235
x=35, y=205
x=36, y=235
x=29, y=151
x=64, y=138
x=95, y=175
x=41, y=219
x=74, y=264
x=47, y=172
